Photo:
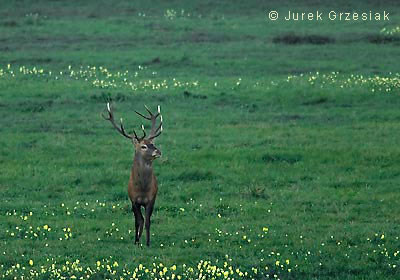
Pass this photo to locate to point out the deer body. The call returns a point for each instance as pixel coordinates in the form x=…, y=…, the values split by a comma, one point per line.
x=142, y=187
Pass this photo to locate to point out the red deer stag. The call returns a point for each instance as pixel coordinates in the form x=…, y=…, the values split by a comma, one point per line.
x=142, y=187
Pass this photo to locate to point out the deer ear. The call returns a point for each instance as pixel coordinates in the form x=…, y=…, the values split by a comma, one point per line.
x=135, y=141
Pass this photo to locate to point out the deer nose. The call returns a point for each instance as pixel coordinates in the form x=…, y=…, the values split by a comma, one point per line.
x=156, y=153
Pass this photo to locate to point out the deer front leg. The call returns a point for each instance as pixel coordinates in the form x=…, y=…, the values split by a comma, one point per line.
x=149, y=211
x=138, y=221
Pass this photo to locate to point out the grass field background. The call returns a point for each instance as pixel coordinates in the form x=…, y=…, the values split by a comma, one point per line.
x=280, y=143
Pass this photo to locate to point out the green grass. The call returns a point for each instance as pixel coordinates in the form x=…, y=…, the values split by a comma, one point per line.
x=281, y=160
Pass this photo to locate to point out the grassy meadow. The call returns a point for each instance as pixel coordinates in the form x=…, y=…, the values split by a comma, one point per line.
x=280, y=142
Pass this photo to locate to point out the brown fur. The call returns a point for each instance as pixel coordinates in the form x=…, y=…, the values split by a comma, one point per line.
x=142, y=187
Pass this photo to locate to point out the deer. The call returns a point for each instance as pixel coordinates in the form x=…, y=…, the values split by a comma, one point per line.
x=142, y=186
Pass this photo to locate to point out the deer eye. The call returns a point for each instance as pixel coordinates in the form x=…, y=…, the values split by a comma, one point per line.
x=144, y=147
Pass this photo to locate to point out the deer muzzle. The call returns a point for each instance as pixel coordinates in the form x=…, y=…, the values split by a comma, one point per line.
x=156, y=153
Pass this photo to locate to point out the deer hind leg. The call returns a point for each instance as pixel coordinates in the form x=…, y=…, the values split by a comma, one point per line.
x=138, y=221
x=149, y=211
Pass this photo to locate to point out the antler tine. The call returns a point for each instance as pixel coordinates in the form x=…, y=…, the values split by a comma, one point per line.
x=154, y=136
x=108, y=111
x=123, y=130
x=144, y=132
x=143, y=116
x=156, y=131
x=119, y=128
x=148, y=110
x=159, y=128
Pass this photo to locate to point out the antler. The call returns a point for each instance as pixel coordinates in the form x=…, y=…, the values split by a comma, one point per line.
x=120, y=128
x=155, y=131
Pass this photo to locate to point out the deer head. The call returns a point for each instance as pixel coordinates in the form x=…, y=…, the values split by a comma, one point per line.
x=144, y=146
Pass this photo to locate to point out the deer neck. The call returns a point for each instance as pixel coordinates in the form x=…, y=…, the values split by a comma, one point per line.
x=142, y=170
